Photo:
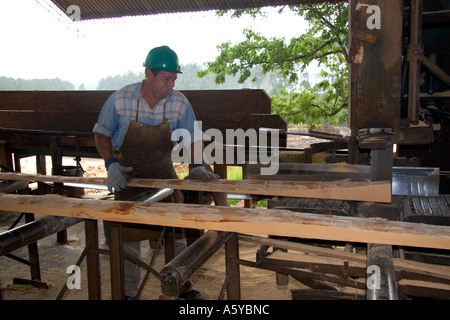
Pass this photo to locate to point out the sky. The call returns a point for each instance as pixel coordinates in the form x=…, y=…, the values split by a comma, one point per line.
x=36, y=43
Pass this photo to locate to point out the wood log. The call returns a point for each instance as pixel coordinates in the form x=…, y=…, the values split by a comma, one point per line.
x=379, y=191
x=240, y=220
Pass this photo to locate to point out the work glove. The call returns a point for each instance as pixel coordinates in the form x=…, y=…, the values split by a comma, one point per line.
x=201, y=173
x=116, y=178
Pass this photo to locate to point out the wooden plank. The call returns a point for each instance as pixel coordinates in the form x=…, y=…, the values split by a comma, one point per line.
x=318, y=264
x=211, y=104
x=312, y=172
x=414, y=270
x=239, y=220
x=51, y=110
x=305, y=248
x=29, y=118
x=78, y=111
x=379, y=191
x=424, y=289
x=403, y=268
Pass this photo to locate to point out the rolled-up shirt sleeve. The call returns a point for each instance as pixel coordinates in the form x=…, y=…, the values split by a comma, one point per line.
x=108, y=120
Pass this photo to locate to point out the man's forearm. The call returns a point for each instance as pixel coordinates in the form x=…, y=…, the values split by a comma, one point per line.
x=104, y=146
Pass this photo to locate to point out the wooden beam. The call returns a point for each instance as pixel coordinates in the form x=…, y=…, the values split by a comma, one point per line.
x=424, y=289
x=239, y=220
x=379, y=191
x=404, y=268
x=78, y=111
x=408, y=269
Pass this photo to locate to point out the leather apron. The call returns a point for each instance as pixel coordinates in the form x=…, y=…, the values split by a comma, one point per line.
x=147, y=149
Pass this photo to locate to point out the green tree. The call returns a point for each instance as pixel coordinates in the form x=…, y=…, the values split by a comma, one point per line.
x=120, y=80
x=325, y=41
x=35, y=84
x=189, y=80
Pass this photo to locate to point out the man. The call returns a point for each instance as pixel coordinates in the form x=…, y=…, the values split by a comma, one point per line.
x=133, y=136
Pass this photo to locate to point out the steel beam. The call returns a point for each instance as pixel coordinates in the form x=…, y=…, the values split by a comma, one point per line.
x=414, y=54
x=33, y=231
x=178, y=271
x=385, y=286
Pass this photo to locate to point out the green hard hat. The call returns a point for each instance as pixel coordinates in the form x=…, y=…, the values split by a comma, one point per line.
x=163, y=58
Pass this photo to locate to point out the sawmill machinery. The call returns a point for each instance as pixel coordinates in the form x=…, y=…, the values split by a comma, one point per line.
x=398, y=120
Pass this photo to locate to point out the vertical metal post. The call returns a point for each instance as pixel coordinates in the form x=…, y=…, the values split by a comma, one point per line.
x=381, y=163
x=169, y=244
x=41, y=168
x=57, y=155
x=33, y=253
x=93, y=260
x=116, y=261
x=232, y=268
x=6, y=158
x=415, y=52
x=379, y=256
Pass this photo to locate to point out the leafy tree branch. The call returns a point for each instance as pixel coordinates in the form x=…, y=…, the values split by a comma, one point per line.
x=325, y=41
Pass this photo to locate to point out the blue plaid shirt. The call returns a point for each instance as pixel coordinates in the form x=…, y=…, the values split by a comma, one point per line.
x=121, y=107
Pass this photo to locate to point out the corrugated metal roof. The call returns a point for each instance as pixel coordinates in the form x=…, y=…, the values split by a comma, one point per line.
x=100, y=9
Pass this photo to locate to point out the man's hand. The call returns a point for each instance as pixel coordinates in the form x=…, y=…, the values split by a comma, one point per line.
x=116, y=179
x=203, y=174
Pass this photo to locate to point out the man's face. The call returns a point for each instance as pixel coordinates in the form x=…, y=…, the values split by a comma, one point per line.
x=162, y=83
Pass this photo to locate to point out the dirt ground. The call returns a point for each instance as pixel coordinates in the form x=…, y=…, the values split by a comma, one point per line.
x=55, y=258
